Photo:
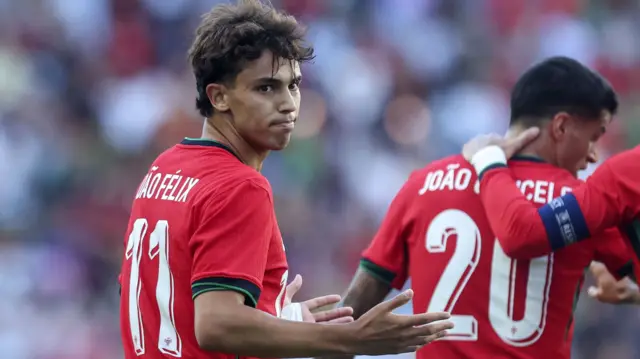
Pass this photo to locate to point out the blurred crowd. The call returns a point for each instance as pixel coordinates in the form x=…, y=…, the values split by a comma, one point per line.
x=92, y=90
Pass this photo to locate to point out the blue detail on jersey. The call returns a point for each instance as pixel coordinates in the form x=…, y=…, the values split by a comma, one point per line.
x=564, y=221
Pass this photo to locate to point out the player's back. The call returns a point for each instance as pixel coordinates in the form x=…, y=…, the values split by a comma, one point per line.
x=157, y=312
x=501, y=307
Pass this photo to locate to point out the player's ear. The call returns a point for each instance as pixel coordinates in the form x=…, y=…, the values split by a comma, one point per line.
x=559, y=124
x=217, y=94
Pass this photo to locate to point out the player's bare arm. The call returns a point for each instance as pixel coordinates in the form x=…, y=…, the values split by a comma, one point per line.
x=227, y=322
x=224, y=324
x=365, y=292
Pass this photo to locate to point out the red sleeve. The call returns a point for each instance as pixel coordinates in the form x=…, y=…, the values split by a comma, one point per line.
x=613, y=252
x=231, y=242
x=513, y=219
x=607, y=199
x=386, y=258
x=612, y=194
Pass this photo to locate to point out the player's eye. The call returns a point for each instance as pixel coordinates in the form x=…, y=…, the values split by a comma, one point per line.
x=295, y=85
x=265, y=88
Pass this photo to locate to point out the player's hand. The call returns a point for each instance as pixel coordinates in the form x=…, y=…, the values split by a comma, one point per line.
x=610, y=290
x=509, y=144
x=379, y=331
x=309, y=308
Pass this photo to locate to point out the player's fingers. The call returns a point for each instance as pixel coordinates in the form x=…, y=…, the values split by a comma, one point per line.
x=424, y=318
x=515, y=144
x=430, y=329
x=343, y=320
x=594, y=292
x=322, y=301
x=395, y=302
x=294, y=286
x=408, y=349
x=424, y=340
x=597, y=269
x=331, y=314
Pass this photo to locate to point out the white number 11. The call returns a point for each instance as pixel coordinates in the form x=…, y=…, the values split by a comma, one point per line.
x=168, y=339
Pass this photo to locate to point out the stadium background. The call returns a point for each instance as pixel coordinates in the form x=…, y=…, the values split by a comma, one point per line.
x=92, y=90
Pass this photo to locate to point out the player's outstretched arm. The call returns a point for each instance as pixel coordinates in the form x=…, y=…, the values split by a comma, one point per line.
x=224, y=324
x=592, y=207
x=513, y=219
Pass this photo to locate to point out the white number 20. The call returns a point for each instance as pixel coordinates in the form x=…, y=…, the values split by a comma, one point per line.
x=168, y=339
x=459, y=270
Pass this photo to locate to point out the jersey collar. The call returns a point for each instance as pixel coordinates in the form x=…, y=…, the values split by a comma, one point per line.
x=208, y=142
x=528, y=158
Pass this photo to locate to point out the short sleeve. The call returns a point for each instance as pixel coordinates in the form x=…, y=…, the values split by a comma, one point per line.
x=386, y=258
x=612, y=250
x=230, y=244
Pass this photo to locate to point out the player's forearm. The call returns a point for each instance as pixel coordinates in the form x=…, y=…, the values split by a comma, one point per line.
x=514, y=220
x=248, y=332
x=364, y=293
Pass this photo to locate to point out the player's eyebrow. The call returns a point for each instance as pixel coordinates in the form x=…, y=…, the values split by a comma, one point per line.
x=275, y=81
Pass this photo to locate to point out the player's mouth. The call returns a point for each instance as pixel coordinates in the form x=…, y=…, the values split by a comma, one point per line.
x=284, y=124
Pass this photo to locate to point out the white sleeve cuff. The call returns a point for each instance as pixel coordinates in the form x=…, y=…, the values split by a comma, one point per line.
x=292, y=312
x=487, y=157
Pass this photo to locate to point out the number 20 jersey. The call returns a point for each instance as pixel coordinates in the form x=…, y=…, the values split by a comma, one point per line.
x=507, y=299
x=201, y=221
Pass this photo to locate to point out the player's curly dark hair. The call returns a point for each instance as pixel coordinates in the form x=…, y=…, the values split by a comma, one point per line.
x=229, y=36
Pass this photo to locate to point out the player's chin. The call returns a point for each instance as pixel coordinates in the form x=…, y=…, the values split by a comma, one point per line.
x=280, y=141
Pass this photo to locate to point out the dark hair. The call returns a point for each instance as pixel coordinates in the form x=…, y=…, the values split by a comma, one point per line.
x=229, y=36
x=560, y=84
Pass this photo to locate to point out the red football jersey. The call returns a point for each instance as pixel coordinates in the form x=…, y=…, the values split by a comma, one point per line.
x=201, y=221
x=610, y=197
x=508, y=299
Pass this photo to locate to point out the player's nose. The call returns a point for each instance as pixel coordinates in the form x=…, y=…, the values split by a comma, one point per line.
x=287, y=103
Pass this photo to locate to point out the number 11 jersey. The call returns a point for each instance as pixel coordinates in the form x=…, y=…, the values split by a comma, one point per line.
x=201, y=221
x=507, y=299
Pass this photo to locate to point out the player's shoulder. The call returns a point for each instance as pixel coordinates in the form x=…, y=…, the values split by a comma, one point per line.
x=217, y=168
x=445, y=164
x=244, y=182
x=619, y=168
x=625, y=160
x=445, y=174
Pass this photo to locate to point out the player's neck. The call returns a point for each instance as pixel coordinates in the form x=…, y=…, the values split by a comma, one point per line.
x=220, y=130
x=539, y=148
